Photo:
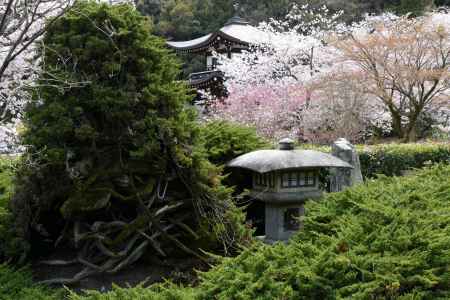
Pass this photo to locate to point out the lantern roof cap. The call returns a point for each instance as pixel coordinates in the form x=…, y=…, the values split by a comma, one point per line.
x=286, y=144
x=237, y=20
x=263, y=161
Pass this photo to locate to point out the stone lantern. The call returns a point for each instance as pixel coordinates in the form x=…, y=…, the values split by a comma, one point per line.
x=283, y=179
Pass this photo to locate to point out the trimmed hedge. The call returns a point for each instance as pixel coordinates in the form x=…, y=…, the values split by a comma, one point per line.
x=395, y=159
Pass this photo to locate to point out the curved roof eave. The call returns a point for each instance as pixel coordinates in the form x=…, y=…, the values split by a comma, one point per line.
x=191, y=43
x=204, y=42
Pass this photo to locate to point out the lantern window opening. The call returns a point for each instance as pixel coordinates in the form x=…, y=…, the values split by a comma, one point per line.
x=291, y=219
x=293, y=179
x=271, y=180
x=266, y=179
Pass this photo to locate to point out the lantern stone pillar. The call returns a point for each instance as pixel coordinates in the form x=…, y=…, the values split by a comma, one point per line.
x=282, y=221
x=343, y=178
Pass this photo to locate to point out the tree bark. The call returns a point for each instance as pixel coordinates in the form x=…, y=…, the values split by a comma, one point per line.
x=411, y=131
x=397, y=127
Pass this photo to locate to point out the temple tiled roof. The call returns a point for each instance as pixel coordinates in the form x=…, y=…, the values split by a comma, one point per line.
x=236, y=30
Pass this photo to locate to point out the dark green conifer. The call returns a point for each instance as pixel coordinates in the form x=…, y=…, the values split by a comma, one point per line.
x=114, y=167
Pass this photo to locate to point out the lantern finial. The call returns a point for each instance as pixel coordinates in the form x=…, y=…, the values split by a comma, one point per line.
x=236, y=6
x=286, y=144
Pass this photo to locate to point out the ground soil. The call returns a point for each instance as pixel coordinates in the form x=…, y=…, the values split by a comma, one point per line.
x=180, y=270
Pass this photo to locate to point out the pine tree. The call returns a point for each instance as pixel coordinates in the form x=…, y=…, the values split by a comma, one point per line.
x=114, y=167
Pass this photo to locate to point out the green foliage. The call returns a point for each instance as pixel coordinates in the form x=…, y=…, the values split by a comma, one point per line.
x=6, y=185
x=224, y=141
x=177, y=19
x=150, y=8
x=8, y=242
x=7, y=237
x=414, y=7
x=387, y=239
x=442, y=2
x=18, y=284
x=395, y=159
x=156, y=292
x=213, y=14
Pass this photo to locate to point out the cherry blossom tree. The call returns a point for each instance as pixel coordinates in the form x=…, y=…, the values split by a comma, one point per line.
x=342, y=107
x=406, y=64
x=272, y=109
x=290, y=50
x=22, y=23
x=385, y=71
x=270, y=86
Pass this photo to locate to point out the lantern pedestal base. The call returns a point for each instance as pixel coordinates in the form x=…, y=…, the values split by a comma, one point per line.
x=282, y=221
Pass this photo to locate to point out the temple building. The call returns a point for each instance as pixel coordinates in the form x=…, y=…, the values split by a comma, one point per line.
x=235, y=36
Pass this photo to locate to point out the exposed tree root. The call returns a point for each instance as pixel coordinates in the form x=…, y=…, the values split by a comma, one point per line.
x=108, y=247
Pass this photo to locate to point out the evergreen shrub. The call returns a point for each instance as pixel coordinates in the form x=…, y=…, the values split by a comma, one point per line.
x=115, y=168
x=224, y=140
x=8, y=246
x=386, y=239
x=17, y=284
x=6, y=172
x=156, y=292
